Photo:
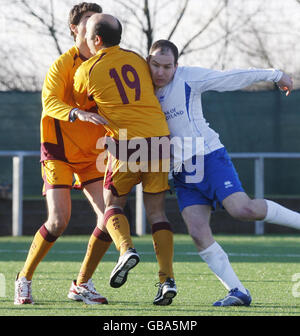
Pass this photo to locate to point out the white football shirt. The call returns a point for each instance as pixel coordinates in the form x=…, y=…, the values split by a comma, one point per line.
x=181, y=102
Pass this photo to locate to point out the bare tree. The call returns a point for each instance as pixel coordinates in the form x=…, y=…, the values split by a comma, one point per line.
x=49, y=24
x=46, y=17
x=213, y=33
x=216, y=13
x=36, y=20
x=221, y=23
x=143, y=18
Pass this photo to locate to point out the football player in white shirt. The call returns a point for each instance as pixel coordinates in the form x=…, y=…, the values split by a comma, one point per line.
x=179, y=91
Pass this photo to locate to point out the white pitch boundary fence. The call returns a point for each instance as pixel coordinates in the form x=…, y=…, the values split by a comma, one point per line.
x=17, y=182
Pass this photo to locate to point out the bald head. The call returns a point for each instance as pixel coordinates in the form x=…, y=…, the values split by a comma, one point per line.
x=103, y=31
x=104, y=19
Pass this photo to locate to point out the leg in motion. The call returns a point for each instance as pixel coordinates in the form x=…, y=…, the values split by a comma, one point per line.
x=162, y=236
x=59, y=210
x=118, y=228
x=83, y=289
x=240, y=206
x=197, y=219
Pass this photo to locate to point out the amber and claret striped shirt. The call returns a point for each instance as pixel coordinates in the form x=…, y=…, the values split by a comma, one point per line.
x=60, y=139
x=120, y=83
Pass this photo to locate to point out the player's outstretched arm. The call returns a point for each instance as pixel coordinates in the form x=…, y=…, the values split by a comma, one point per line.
x=285, y=83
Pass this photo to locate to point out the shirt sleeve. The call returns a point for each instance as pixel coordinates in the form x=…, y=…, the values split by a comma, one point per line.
x=81, y=94
x=205, y=79
x=53, y=92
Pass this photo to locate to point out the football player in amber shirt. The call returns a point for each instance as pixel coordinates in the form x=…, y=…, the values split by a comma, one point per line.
x=68, y=148
x=119, y=82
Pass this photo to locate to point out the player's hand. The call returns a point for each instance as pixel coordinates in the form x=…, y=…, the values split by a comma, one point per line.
x=285, y=83
x=94, y=118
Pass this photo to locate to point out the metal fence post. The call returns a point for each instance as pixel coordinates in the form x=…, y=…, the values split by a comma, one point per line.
x=18, y=160
x=140, y=221
x=17, y=195
x=259, y=189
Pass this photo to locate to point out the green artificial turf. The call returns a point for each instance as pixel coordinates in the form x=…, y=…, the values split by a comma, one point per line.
x=269, y=266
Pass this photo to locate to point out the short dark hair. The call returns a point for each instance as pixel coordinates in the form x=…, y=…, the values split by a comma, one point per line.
x=164, y=46
x=109, y=34
x=77, y=11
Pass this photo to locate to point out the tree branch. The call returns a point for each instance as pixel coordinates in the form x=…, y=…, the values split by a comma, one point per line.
x=209, y=22
x=50, y=27
x=181, y=15
x=263, y=50
x=149, y=30
x=132, y=10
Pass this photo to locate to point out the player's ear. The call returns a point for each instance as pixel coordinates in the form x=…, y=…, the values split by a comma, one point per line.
x=148, y=59
x=74, y=28
x=98, y=41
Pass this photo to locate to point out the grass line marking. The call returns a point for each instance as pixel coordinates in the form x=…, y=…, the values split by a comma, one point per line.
x=231, y=254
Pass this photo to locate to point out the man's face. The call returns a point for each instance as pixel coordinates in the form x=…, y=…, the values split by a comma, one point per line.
x=162, y=67
x=90, y=40
x=81, y=27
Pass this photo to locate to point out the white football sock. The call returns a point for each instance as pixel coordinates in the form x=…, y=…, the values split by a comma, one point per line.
x=277, y=214
x=217, y=260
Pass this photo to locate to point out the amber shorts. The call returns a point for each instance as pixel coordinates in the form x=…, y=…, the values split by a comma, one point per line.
x=121, y=176
x=60, y=174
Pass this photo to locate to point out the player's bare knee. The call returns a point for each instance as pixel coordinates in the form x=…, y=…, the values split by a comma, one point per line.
x=156, y=216
x=245, y=212
x=57, y=225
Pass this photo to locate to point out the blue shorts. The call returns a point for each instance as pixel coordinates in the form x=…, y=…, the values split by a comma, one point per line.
x=220, y=180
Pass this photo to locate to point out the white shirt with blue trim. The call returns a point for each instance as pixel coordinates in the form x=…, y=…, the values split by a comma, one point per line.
x=181, y=102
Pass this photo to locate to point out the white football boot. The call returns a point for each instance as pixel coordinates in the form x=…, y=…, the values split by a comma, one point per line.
x=125, y=263
x=23, y=291
x=86, y=292
x=166, y=292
